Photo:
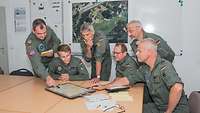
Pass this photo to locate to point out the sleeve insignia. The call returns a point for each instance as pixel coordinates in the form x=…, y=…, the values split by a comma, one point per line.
x=163, y=68
x=32, y=52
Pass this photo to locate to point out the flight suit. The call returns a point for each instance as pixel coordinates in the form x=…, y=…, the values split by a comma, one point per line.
x=76, y=69
x=159, y=81
x=34, y=48
x=163, y=48
x=101, y=53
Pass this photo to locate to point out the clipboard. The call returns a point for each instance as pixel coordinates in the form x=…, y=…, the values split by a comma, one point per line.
x=69, y=90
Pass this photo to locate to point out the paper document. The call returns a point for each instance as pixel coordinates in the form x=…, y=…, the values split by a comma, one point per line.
x=99, y=101
x=121, y=96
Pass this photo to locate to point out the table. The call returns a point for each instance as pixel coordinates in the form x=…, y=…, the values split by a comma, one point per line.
x=8, y=81
x=30, y=97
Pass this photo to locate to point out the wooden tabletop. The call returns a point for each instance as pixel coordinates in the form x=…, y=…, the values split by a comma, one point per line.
x=30, y=96
x=8, y=81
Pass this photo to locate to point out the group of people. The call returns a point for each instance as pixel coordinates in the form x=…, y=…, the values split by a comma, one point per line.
x=151, y=65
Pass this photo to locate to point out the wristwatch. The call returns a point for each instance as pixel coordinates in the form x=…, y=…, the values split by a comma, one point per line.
x=98, y=76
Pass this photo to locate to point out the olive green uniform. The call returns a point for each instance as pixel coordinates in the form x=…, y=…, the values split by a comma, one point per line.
x=101, y=53
x=163, y=48
x=76, y=69
x=35, y=46
x=128, y=68
x=159, y=82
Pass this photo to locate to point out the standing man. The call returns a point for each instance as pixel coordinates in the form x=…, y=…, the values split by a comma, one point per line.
x=67, y=67
x=96, y=49
x=164, y=84
x=41, y=45
x=137, y=33
x=126, y=69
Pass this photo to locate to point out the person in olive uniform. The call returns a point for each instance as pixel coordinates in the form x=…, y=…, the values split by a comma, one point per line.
x=41, y=45
x=126, y=68
x=136, y=33
x=66, y=66
x=95, y=49
x=164, y=84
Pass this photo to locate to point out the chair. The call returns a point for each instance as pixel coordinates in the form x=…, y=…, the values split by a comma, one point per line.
x=194, y=102
x=22, y=72
x=1, y=71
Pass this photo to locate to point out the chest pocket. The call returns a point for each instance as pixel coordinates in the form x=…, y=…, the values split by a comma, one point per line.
x=73, y=70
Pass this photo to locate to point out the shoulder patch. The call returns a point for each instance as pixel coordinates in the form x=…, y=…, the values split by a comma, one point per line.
x=157, y=42
x=99, y=42
x=32, y=53
x=28, y=42
x=163, y=68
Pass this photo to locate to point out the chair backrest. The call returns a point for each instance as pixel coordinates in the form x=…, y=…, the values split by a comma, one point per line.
x=22, y=72
x=1, y=71
x=194, y=102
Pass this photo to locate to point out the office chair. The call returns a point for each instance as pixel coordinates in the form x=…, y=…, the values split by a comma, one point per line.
x=1, y=71
x=194, y=102
x=22, y=72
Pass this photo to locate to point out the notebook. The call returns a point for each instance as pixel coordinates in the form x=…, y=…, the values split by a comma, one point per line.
x=69, y=90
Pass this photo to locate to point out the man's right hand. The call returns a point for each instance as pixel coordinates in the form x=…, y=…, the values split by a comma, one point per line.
x=64, y=77
x=89, y=43
x=50, y=81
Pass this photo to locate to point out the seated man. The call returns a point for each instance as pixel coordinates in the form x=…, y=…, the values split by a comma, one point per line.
x=67, y=67
x=126, y=68
x=164, y=84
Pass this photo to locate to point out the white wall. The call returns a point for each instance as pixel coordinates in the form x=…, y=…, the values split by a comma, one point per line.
x=189, y=64
x=178, y=25
x=16, y=48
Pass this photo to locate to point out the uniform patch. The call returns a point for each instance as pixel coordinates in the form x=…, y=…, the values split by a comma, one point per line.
x=59, y=68
x=157, y=42
x=41, y=47
x=163, y=68
x=32, y=52
x=29, y=42
x=99, y=42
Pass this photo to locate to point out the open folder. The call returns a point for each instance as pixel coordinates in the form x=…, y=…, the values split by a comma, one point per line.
x=69, y=90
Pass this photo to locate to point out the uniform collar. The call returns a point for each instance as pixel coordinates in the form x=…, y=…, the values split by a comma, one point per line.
x=145, y=35
x=158, y=61
x=147, y=68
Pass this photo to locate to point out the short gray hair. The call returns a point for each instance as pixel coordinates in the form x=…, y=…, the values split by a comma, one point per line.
x=149, y=43
x=87, y=27
x=139, y=24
